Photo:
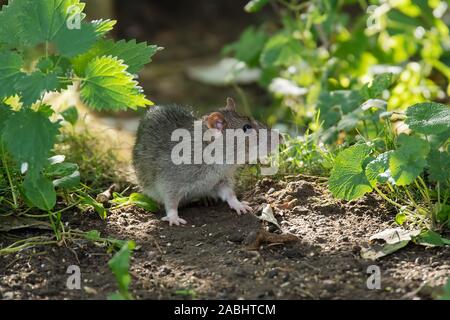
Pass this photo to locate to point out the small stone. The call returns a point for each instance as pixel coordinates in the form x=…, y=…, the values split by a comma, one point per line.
x=272, y=273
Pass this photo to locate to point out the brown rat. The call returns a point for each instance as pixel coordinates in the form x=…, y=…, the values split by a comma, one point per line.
x=174, y=184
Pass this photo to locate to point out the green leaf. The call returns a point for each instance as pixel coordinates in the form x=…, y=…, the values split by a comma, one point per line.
x=334, y=104
x=439, y=165
x=432, y=239
x=249, y=46
x=10, y=21
x=407, y=162
x=107, y=85
x=29, y=136
x=40, y=191
x=71, y=42
x=281, y=50
x=70, y=115
x=428, y=118
x=68, y=182
x=10, y=74
x=5, y=113
x=400, y=218
x=98, y=207
x=92, y=235
x=377, y=171
x=379, y=84
x=144, y=202
x=64, y=175
x=255, y=5
x=33, y=87
x=103, y=26
x=135, y=55
x=120, y=265
x=348, y=180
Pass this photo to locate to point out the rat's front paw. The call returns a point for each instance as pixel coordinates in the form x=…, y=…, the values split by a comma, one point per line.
x=176, y=220
x=240, y=207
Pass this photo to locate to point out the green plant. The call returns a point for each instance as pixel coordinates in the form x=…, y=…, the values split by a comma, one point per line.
x=318, y=53
x=411, y=174
x=44, y=52
x=120, y=265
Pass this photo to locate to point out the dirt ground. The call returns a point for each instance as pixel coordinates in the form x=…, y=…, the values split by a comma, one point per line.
x=220, y=255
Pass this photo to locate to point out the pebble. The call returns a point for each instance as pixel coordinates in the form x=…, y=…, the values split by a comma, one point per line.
x=272, y=273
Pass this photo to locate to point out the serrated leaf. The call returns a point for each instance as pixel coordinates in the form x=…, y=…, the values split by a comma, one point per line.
x=439, y=166
x=107, y=85
x=40, y=191
x=428, y=118
x=29, y=136
x=103, y=26
x=407, y=162
x=33, y=87
x=377, y=171
x=135, y=55
x=255, y=5
x=71, y=42
x=10, y=74
x=11, y=23
x=33, y=22
x=348, y=180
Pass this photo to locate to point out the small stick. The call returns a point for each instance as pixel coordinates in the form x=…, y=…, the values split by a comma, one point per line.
x=105, y=196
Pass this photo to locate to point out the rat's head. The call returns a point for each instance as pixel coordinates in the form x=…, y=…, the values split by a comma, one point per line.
x=257, y=138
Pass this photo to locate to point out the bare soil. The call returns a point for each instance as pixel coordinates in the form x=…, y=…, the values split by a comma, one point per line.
x=220, y=255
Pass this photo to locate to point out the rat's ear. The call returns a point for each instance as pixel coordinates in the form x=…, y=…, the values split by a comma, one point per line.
x=230, y=104
x=215, y=120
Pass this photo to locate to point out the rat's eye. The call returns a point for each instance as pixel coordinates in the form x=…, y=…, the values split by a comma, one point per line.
x=246, y=127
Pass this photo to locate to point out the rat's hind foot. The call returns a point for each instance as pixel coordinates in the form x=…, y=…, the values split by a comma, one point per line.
x=176, y=220
x=240, y=206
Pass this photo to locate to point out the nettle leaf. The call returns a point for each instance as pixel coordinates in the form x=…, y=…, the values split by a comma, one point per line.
x=407, y=162
x=40, y=191
x=348, y=180
x=71, y=42
x=379, y=84
x=249, y=46
x=107, y=85
x=135, y=55
x=29, y=136
x=11, y=24
x=281, y=50
x=33, y=87
x=428, y=117
x=255, y=5
x=10, y=74
x=33, y=22
x=377, y=171
x=103, y=26
x=439, y=166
